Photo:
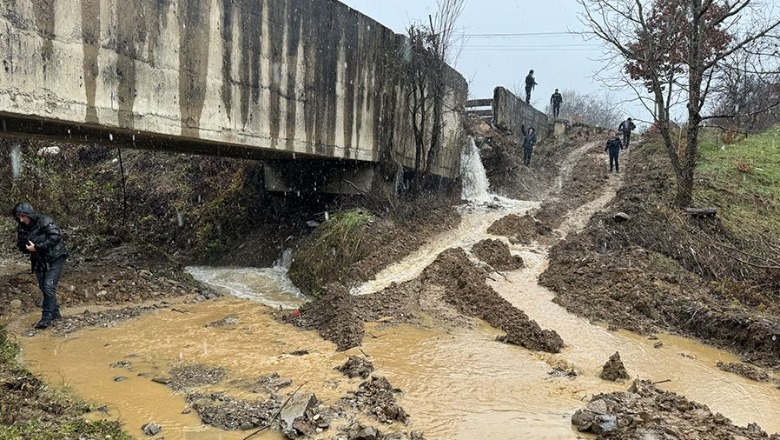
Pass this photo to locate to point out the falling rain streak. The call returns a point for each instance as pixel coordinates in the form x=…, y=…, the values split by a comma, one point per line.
x=16, y=161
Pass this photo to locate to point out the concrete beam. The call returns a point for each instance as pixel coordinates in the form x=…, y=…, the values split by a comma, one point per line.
x=313, y=78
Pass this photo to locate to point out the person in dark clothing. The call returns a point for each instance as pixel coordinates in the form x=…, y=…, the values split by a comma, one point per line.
x=38, y=236
x=530, y=83
x=613, y=147
x=529, y=141
x=626, y=127
x=555, y=100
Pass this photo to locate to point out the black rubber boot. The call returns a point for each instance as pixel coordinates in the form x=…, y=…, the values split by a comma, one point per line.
x=43, y=323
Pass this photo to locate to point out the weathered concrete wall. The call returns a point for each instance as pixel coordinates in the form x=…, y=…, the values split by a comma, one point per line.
x=249, y=77
x=511, y=112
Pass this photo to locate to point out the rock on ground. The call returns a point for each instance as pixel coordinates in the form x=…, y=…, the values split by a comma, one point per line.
x=645, y=412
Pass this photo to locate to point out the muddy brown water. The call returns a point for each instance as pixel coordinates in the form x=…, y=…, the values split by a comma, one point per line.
x=457, y=384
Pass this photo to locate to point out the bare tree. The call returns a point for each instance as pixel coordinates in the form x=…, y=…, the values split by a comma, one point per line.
x=430, y=47
x=675, y=49
x=589, y=109
x=747, y=97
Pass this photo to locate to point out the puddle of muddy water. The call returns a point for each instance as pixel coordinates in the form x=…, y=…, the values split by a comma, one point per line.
x=153, y=344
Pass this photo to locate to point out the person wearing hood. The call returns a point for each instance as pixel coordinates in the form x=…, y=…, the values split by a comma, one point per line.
x=529, y=141
x=613, y=148
x=38, y=236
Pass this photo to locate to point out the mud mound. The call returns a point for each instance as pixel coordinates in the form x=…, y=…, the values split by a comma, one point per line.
x=411, y=302
x=452, y=286
x=376, y=397
x=614, y=370
x=646, y=412
x=496, y=254
x=521, y=229
x=356, y=366
x=465, y=288
x=335, y=317
x=225, y=412
x=511, y=225
x=745, y=371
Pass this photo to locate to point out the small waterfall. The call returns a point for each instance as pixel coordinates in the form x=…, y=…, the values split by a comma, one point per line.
x=475, y=181
x=284, y=261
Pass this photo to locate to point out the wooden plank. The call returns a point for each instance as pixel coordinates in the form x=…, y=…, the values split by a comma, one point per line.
x=479, y=103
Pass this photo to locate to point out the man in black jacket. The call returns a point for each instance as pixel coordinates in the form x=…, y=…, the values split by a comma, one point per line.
x=614, y=146
x=626, y=127
x=38, y=236
x=530, y=83
x=529, y=141
x=555, y=100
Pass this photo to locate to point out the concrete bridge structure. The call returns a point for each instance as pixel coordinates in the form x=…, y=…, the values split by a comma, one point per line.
x=508, y=111
x=311, y=86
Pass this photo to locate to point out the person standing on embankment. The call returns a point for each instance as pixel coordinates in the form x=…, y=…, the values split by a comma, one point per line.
x=529, y=141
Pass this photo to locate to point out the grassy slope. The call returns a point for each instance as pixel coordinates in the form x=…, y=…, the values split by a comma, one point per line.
x=743, y=180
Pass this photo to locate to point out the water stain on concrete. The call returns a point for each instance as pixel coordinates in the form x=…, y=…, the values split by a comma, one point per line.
x=195, y=36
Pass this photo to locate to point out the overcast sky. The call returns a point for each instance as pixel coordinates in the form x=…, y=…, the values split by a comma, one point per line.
x=539, y=38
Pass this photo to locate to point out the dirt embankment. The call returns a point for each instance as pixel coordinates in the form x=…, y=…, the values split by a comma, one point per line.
x=655, y=268
x=450, y=288
x=354, y=245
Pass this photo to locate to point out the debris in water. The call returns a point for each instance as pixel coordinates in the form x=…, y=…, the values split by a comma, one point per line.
x=614, y=369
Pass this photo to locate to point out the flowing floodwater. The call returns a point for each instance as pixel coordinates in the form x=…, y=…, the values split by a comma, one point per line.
x=457, y=384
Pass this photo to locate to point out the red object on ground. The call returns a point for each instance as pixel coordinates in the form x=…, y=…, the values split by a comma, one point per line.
x=296, y=313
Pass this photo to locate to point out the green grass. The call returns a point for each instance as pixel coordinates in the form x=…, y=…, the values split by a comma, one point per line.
x=331, y=250
x=742, y=180
x=8, y=349
x=752, y=164
x=76, y=429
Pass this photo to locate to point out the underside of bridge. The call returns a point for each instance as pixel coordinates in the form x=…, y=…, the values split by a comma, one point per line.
x=283, y=171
